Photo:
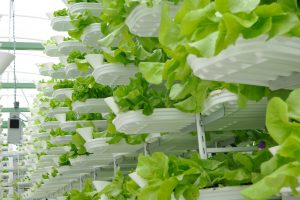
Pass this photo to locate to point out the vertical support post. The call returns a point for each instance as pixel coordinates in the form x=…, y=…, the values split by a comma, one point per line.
x=115, y=165
x=80, y=183
x=201, y=137
x=146, y=150
x=95, y=172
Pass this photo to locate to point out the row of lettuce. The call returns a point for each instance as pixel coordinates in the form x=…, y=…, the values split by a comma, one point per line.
x=203, y=28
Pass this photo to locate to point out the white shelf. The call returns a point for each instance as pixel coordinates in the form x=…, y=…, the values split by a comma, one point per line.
x=72, y=71
x=144, y=21
x=58, y=110
x=91, y=35
x=67, y=47
x=62, y=94
x=114, y=73
x=61, y=23
x=58, y=74
x=94, y=8
x=70, y=126
x=99, y=146
x=273, y=63
x=90, y=106
x=65, y=139
x=52, y=51
x=221, y=112
x=50, y=125
x=161, y=120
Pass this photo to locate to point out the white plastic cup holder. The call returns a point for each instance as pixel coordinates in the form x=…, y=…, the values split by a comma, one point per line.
x=112, y=105
x=61, y=117
x=86, y=133
x=137, y=179
x=63, y=59
x=100, y=185
x=95, y=60
x=58, y=38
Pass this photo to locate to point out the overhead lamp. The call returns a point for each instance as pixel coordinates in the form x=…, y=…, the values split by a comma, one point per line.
x=5, y=60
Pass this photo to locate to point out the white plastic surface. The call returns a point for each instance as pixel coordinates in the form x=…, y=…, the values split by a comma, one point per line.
x=58, y=74
x=137, y=179
x=100, y=185
x=95, y=60
x=86, y=133
x=99, y=146
x=92, y=160
x=67, y=47
x=94, y=8
x=113, y=73
x=161, y=120
x=58, y=110
x=221, y=112
x=58, y=150
x=90, y=106
x=50, y=125
x=61, y=23
x=91, y=35
x=5, y=60
x=70, y=126
x=273, y=63
x=66, y=139
x=72, y=71
x=145, y=21
x=225, y=193
x=52, y=51
x=45, y=68
x=62, y=94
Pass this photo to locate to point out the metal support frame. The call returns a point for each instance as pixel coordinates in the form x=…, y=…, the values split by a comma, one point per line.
x=35, y=46
x=201, y=137
x=18, y=85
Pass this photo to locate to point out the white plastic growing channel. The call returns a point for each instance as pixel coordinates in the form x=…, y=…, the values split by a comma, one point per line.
x=52, y=51
x=50, y=125
x=45, y=68
x=90, y=106
x=94, y=8
x=99, y=146
x=91, y=35
x=72, y=71
x=62, y=94
x=58, y=110
x=144, y=21
x=58, y=74
x=161, y=120
x=58, y=140
x=61, y=23
x=273, y=63
x=221, y=112
x=67, y=47
x=110, y=73
x=70, y=126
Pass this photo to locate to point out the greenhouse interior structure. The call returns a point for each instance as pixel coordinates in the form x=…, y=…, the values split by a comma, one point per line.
x=150, y=99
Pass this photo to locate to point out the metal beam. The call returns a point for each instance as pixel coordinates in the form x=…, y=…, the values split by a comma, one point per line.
x=19, y=85
x=13, y=110
x=22, y=46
